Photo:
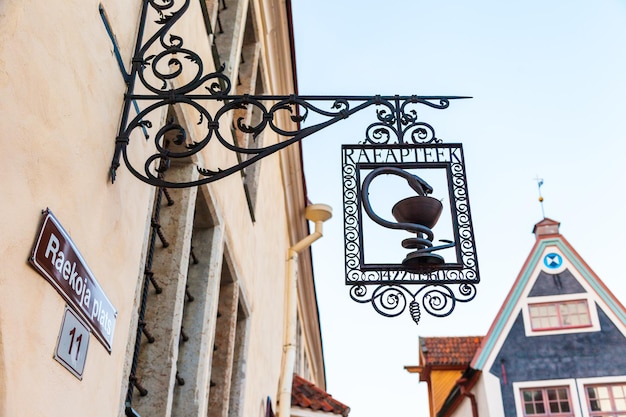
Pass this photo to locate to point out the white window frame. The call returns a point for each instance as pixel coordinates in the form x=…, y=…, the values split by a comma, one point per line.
x=583, y=382
x=570, y=383
x=591, y=304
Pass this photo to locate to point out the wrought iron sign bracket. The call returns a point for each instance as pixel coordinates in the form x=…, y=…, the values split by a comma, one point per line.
x=390, y=115
x=166, y=73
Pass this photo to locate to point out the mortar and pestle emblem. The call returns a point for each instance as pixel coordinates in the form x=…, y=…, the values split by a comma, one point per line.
x=417, y=214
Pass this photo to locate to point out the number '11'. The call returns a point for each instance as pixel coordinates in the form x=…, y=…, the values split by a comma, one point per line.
x=79, y=339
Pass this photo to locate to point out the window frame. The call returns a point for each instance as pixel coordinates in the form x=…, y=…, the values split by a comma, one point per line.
x=611, y=398
x=570, y=384
x=583, y=383
x=594, y=325
x=545, y=401
x=560, y=317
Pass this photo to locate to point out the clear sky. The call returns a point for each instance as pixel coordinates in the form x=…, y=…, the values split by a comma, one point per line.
x=549, y=85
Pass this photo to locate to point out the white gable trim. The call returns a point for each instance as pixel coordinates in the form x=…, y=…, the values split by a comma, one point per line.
x=509, y=311
x=494, y=340
x=616, y=311
x=606, y=301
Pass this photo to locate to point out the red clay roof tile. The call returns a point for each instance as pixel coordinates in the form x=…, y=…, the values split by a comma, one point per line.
x=306, y=395
x=448, y=350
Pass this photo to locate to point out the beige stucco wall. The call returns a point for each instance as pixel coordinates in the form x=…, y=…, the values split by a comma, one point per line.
x=60, y=90
x=61, y=97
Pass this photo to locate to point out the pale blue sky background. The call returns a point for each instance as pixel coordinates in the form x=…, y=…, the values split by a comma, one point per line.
x=549, y=85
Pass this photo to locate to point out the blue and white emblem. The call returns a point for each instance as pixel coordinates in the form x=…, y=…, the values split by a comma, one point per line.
x=553, y=260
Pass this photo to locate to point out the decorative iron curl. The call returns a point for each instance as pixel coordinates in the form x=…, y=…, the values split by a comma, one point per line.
x=467, y=292
x=421, y=132
x=397, y=119
x=438, y=300
x=380, y=134
x=359, y=293
x=160, y=6
x=391, y=300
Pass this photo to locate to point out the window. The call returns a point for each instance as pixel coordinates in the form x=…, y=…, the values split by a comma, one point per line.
x=189, y=293
x=606, y=400
x=228, y=353
x=553, y=401
x=559, y=315
x=239, y=49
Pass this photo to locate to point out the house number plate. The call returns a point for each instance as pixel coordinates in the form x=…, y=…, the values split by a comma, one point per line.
x=71, y=350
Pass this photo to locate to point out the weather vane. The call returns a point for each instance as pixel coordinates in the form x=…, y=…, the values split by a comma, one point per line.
x=539, y=184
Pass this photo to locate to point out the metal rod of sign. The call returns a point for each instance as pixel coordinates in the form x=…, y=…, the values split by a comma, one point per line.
x=391, y=113
x=165, y=74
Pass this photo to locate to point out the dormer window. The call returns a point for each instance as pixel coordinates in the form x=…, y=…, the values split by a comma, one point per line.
x=559, y=315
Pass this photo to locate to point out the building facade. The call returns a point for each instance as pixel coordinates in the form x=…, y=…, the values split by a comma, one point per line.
x=127, y=299
x=556, y=348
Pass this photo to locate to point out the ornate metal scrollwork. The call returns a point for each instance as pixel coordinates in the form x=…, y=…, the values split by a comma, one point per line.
x=392, y=300
x=165, y=72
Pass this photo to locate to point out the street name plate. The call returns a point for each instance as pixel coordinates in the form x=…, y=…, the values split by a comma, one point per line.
x=73, y=342
x=56, y=257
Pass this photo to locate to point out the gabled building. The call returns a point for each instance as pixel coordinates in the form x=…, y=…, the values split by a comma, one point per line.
x=556, y=348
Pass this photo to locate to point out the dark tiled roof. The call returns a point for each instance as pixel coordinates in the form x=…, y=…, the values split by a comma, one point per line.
x=306, y=395
x=449, y=350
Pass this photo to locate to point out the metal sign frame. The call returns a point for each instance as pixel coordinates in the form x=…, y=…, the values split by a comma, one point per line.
x=386, y=285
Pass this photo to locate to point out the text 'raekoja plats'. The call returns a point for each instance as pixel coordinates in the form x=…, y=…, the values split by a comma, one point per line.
x=56, y=258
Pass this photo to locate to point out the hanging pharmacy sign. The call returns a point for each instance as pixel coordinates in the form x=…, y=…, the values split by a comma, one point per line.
x=426, y=214
x=56, y=257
